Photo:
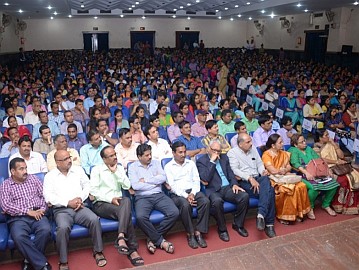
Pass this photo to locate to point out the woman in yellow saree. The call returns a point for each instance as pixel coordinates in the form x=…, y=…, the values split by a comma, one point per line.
x=292, y=201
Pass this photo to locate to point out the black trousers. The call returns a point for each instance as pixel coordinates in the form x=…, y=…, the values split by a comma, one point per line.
x=123, y=214
x=241, y=199
x=185, y=209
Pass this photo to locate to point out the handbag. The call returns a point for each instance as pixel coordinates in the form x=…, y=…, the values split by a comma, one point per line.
x=318, y=168
x=286, y=179
x=342, y=169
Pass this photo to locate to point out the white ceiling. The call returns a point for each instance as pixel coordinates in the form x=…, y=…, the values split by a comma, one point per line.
x=166, y=8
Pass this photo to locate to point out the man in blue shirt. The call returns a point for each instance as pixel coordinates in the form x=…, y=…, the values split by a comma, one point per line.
x=44, y=120
x=193, y=144
x=147, y=176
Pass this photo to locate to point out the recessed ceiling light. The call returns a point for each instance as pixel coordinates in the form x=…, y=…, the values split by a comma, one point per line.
x=55, y=13
x=188, y=4
x=143, y=17
x=231, y=19
x=239, y=15
x=121, y=15
x=248, y=3
x=137, y=3
x=188, y=18
x=82, y=6
x=250, y=18
x=263, y=11
x=197, y=1
x=49, y=7
x=174, y=16
x=181, y=7
x=356, y=3
x=133, y=6
x=51, y=18
x=306, y=10
x=220, y=17
x=6, y=4
x=299, y=5
x=272, y=15
x=236, y=6
x=226, y=8
x=175, y=9
x=95, y=18
x=130, y=8
x=217, y=10
x=20, y=11
x=70, y=16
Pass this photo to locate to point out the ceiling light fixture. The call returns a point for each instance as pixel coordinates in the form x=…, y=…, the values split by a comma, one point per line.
x=6, y=4
x=188, y=4
x=121, y=15
x=217, y=10
x=95, y=18
x=250, y=18
x=188, y=18
x=181, y=7
x=137, y=3
x=299, y=5
x=82, y=6
x=143, y=17
x=239, y=15
x=130, y=8
x=248, y=3
x=306, y=10
x=272, y=15
x=175, y=9
x=356, y=3
x=263, y=11
x=220, y=17
x=55, y=13
x=20, y=11
x=49, y=7
x=231, y=19
x=197, y=1
x=174, y=16
x=133, y=6
x=226, y=8
x=51, y=18
x=236, y=6
x=70, y=16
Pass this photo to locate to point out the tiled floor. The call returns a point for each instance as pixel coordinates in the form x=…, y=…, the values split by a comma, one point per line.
x=333, y=246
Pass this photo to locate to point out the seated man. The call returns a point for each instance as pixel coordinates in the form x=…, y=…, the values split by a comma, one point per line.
x=32, y=117
x=74, y=141
x=11, y=112
x=107, y=180
x=136, y=131
x=66, y=188
x=60, y=143
x=214, y=169
x=26, y=216
x=105, y=111
x=193, y=144
x=225, y=125
x=173, y=131
x=249, y=170
x=126, y=148
x=69, y=119
x=55, y=115
x=198, y=129
x=212, y=128
x=160, y=147
x=90, y=153
x=80, y=113
x=103, y=130
x=147, y=176
x=182, y=177
x=44, y=144
x=250, y=119
x=11, y=147
x=44, y=120
x=239, y=127
x=35, y=162
x=286, y=131
x=261, y=135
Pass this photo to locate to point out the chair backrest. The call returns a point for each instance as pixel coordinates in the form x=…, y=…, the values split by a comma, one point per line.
x=29, y=127
x=83, y=136
x=4, y=167
x=165, y=161
x=41, y=176
x=229, y=136
x=198, y=156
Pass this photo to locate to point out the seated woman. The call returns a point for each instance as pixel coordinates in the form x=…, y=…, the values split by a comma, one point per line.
x=291, y=200
x=23, y=130
x=301, y=155
x=313, y=112
x=187, y=114
x=345, y=201
x=290, y=107
x=94, y=117
x=240, y=112
x=118, y=122
x=351, y=117
x=163, y=116
x=256, y=93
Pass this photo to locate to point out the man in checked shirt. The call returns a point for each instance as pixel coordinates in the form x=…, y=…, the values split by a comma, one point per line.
x=22, y=200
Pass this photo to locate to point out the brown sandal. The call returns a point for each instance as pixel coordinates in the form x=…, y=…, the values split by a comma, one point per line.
x=100, y=259
x=169, y=248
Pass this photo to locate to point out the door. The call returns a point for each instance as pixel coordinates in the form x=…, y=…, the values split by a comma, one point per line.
x=316, y=45
x=95, y=41
x=186, y=39
x=143, y=41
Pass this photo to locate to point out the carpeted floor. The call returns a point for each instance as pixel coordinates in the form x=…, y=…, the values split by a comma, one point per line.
x=82, y=259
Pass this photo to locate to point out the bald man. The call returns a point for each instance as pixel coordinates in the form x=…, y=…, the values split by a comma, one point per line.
x=66, y=188
x=249, y=170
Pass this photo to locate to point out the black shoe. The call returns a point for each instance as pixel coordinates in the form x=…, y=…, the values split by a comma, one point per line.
x=47, y=267
x=270, y=232
x=192, y=241
x=260, y=224
x=26, y=266
x=242, y=231
x=224, y=236
x=201, y=242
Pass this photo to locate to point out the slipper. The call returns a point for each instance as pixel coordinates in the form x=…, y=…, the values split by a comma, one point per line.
x=122, y=249
x=311, y=215
x=138, y=261
x=151, y=247
x=330, y=211
x=169, y=248
x=100, y=259
x=284, y=222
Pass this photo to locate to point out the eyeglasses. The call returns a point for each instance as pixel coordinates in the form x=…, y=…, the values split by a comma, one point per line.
x=302, y=141
x=216, y=150
x=65, y=159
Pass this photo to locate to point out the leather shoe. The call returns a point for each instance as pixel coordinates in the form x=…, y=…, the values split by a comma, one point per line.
x=241, y=230
x=26, y=266
x=192, y=241
x=260, y=224
x=201, y=242
x=224, y=236
x=270, y=232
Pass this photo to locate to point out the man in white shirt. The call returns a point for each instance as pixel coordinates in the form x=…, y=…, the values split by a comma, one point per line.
x=243, y=83
x=32, y=117
x=107, y=180
x=261, y=135
x=160, y=147
x=35, y=162
x=126, y=149
x=69, y=119
x=183, y=178
x=66, y=188
x=160, y=99
x=11, y=147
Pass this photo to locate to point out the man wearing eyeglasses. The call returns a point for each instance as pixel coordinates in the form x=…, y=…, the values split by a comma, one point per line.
x=66, y=188
x=107, y=180
x=261, y=135
x=221, y=185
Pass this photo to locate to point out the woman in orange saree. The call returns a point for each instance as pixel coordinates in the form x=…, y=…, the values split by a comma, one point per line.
x=292, y=201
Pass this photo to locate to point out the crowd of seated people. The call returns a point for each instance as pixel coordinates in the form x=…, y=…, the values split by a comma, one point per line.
x=117, y=115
